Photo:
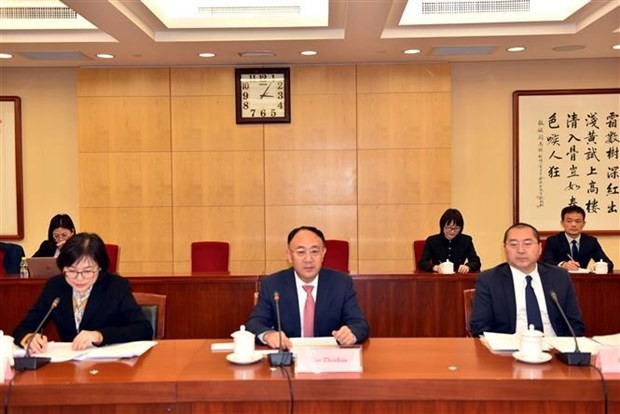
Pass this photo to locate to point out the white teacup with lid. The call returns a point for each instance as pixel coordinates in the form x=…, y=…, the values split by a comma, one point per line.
x=530, y=343
x=6, y=356
x=244, y=344
x=447, y=267
x=601, y=268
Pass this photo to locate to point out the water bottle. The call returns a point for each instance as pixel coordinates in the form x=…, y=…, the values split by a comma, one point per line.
x=24, y=273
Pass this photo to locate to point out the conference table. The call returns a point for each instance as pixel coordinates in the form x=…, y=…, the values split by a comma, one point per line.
x=400, y=375
x=396, y=305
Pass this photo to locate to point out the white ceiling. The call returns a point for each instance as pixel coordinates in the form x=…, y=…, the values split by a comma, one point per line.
x=359, y=31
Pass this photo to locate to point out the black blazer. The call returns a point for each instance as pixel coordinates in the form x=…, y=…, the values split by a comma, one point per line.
x=46, y=249
x=495, y=308
x=557, y=250
x=459, y=250
x=336, y=305
x=111, y=309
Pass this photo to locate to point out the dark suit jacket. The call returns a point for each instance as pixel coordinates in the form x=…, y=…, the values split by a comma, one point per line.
x=460, y=249
x=557, y=250
x=111, y=309
x=495, y=308
x=46, y=249
x=336, y=305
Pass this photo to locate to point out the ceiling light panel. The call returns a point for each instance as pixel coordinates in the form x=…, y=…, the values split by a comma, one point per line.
x=218, y=14
x=40, y=15
x=487, y=11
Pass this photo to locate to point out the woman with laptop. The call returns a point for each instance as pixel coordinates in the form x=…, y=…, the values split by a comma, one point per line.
x=90, y=305
x=60, y=230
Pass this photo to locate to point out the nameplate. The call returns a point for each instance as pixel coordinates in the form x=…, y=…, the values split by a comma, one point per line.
x=608, y=359
x=328, y=359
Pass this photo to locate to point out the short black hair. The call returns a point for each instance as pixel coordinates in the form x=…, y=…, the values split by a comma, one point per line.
x=573, y=209
x=80, y=245
x=451, y=215
x=58, y=221
x=309, y=228
x=522, y=226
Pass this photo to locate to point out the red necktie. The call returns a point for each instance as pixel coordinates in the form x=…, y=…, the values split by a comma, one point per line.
x=309, y=312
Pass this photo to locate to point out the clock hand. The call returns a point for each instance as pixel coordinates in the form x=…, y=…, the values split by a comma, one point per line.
x=264, y=94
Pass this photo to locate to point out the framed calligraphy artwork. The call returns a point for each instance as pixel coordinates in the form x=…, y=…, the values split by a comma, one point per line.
x=11, y=192
x=566, y=152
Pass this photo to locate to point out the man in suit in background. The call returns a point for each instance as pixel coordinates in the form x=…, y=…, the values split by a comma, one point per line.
x=501, y=302
x=330, y=294
x=572, y=249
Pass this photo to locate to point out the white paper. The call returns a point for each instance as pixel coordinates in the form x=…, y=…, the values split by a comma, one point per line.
x=61, y=351
x=580, y=270
x=501, y=342
x=609, y=340
x=567, y=344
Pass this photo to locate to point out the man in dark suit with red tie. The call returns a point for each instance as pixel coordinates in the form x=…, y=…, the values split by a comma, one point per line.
x=313, y=300
x=572, y=249
x=516, y=294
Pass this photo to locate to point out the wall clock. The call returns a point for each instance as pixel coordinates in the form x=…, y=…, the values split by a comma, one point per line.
x=262, y=95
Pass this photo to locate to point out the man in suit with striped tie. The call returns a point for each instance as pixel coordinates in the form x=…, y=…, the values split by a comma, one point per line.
x=516, y=294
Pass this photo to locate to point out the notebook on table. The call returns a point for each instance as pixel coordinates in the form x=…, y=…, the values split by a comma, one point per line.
x=42, y=267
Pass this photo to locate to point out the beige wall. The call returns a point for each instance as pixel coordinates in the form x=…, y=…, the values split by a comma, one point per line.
x=481, y=129
x=49, y=139
x=162, y=163
x=482, y=138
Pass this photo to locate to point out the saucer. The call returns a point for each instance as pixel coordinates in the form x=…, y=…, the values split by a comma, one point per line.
x=540, y=359
x=257, y=356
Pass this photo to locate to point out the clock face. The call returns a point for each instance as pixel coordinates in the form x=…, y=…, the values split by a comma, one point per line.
x=262, y=95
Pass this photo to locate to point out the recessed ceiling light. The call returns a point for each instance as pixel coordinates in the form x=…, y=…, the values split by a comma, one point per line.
x=206, y=55
x=411, y=51
x=568, y=48
x=616, y=47
x=515, y=49
x=308, y=52
x=6, y=56
x=105, y=56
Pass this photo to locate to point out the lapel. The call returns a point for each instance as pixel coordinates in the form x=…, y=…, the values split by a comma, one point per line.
x=95, y=301
x=566, y=248
x=65, y=309
x=509, y=295
x=322, y=298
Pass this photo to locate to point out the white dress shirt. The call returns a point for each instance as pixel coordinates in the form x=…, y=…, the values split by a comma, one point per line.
x=518, y=279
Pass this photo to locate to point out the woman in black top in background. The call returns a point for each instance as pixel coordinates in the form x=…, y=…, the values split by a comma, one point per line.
x=60, y=230
x=450, y=244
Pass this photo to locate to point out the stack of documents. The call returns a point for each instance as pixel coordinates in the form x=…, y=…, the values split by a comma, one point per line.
x=61, y=351
x=500, y=342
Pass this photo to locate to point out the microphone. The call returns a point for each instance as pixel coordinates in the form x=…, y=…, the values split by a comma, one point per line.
x=280, y=358
x=576, y=358
x=28, y=362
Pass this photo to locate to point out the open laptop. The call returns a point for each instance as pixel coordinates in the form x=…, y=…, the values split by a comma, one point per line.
x=42, y=267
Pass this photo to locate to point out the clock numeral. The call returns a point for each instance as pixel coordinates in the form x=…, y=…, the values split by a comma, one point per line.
x=280, y=95
x=280, y=85
x=245, y=85
x=245, y=95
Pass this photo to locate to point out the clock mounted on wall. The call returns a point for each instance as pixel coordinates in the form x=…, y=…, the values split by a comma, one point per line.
x=262, y=95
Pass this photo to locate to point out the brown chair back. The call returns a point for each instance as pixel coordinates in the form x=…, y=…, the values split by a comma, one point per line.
x=468, y=303
x=154, y=308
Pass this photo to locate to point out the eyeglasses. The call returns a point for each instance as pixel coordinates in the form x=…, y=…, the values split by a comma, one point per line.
x=86, y=273
x=61, y=236
x=314, y=252
x=451, y=228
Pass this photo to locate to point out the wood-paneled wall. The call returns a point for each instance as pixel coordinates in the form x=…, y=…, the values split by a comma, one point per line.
x=366, y=158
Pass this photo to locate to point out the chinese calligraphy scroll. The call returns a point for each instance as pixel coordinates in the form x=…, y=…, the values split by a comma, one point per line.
x=566, y=151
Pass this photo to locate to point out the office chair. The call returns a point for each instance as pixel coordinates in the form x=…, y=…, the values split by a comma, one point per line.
x=113, y=251
x=154, y=309
x=468, y=303
x=418, y=248
x=210, y=256
x=337, y=255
